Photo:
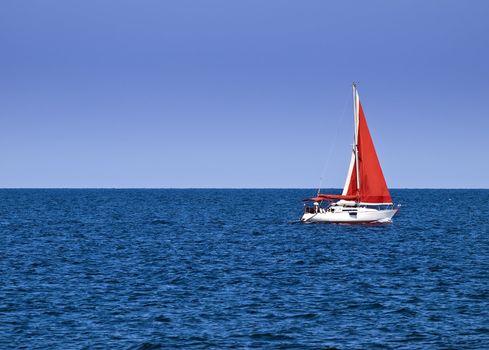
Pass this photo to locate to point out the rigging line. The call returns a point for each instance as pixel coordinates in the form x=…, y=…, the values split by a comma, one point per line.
x=333, y=144
x=306, y=220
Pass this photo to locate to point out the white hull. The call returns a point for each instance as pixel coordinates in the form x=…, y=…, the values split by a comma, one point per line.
x=350, y=215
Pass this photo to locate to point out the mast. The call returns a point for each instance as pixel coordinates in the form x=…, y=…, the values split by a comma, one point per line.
x=355, y=146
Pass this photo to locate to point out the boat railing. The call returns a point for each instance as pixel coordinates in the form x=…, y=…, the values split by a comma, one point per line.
x=310, y=210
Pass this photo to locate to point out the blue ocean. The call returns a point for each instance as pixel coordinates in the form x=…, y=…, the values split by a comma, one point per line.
x=219, y=269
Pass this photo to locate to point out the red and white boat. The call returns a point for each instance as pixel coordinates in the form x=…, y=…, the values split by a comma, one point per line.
x=365, y=197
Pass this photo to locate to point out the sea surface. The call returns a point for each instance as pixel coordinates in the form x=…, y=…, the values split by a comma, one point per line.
x=221, y=269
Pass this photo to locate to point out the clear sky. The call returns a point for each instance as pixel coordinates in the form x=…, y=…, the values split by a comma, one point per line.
x=253, y=93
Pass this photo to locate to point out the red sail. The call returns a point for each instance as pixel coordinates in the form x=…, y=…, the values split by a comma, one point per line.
x=373, y=188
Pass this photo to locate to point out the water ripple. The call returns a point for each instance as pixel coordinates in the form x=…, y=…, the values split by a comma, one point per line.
x=212, y=269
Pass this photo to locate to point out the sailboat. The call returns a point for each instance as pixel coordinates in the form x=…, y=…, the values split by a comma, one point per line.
x=365, y=197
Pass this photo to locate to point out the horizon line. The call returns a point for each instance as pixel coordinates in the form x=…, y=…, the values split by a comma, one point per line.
x=229, y=188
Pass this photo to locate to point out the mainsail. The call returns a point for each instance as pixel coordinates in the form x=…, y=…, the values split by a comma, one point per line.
x=365, y=181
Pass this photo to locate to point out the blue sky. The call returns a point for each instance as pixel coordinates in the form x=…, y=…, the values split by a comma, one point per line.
x=241, y=93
